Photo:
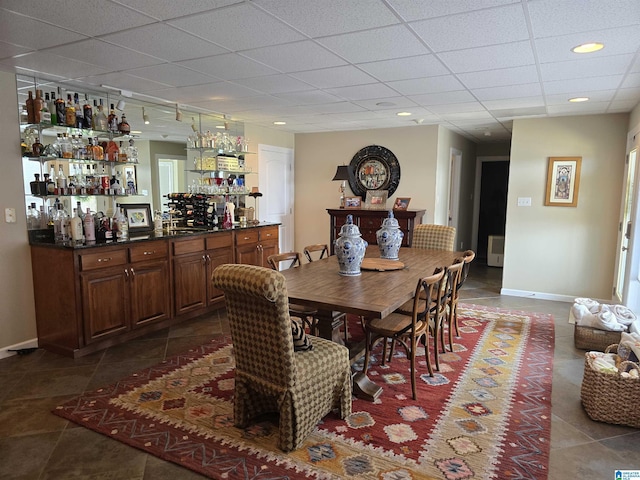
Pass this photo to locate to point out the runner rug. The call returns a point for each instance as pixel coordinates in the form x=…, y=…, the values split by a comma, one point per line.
x=486, y=413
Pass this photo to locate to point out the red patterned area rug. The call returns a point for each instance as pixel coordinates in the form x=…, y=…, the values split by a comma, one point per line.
x=485, y=415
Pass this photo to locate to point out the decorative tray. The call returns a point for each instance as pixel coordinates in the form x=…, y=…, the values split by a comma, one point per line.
x=381, y=264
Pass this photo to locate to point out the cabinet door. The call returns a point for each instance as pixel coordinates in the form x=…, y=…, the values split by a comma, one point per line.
x=214, y=259
x=189, y=283
x=248, y=254
x=149, y=284
x=268, y=248
x=105, y=302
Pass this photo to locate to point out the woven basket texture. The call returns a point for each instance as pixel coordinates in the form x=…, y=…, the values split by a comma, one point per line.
x=610, y=398
x=588, y=338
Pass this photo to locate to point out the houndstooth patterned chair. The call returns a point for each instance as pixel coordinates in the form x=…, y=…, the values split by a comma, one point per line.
x=434, y=237
x=270, y=377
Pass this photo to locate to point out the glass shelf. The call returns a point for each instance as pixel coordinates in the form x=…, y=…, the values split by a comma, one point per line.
x=219, y=152
x=50, y=158
x=234, y=172
x=53, y=130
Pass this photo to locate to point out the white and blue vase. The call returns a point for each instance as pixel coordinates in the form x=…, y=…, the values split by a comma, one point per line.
x=389, y=237
x=350, y=248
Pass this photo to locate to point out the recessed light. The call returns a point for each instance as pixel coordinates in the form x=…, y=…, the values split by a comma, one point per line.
x=403, y=114
x=220, y=127
x=588, y=47
x=279, y=123
x=579, y=99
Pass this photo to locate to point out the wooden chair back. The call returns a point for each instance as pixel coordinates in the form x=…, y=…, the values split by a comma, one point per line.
x=323, y=248
x=284, y=261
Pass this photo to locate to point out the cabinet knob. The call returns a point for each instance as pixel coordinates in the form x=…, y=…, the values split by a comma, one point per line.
x=133, y=272
x=150, y=253
x=106, y=259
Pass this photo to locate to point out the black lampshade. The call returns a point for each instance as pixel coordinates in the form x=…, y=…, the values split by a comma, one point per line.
x=342, y=173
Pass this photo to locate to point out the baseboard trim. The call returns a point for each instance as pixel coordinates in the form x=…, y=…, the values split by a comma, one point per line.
x=4, y=352
x=538, y=295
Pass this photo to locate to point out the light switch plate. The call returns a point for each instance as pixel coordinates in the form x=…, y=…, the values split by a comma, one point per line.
x=524, y=201
x=10, y=215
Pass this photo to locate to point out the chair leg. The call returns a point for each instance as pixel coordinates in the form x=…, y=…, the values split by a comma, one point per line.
x=384, y=350
x=425, y=342
x=367, y=351
x=455, y=318
x=414, y=345
x=450, y=322
x=436, y=332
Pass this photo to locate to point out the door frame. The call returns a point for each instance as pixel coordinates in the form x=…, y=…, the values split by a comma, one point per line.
x=455, y=179
x=477, y=192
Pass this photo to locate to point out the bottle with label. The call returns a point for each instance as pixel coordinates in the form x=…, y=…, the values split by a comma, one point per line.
x=37, y=107
x=66, y=147
x=101, y=122
x=123, y=126
x=61, y=181
x=89, y=227
x=79, y=111
x=60, y=225
x=60, y=109
x=52, y=108
x=49, y=185
x=98, y=151
x=45, y=113
x=70, y=113
x=88, y=113
x=112, y=120
x=36, y=148
x=30, y=112
x=75, y=227
x=132, y=152
x=123, y=224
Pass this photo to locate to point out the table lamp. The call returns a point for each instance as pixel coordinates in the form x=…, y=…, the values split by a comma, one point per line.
x=255, y=193
x=342, y=173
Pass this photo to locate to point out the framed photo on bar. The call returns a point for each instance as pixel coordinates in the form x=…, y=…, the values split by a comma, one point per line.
x=563, y=181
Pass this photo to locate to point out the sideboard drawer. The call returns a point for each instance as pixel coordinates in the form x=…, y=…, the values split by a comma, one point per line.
x=150, y=251
x=248, y=236
x=268, y=233
x=194, y=245
x=111, y=258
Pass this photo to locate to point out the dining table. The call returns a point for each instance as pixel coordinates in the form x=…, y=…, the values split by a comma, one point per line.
x=381, y=287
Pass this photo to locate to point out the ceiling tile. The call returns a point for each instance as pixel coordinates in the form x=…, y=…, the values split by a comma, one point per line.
x=309, y=98
x=416, y=86
x=8, y=50
x=167, y=10
x=318, y=18
x=18, y=30
x=125, y=82
x=461, y=96
x=389, y=103
x=267, y=102
x=209, y=92
x=171, y=75
x=229, y=66
x=500, y=77
x=372, y=45
x=112, y=17
x=295, y=57
x=275, y=84
x=465, y=116
x=599, y=96
x=587, y=67
x=507, y=92
x=628, y=93
x=405, y=68
x=631, y=80
x=339, y=107
x=487, y=58
x=54, y=65
x=576, y=86
x=481, y=28
x=516, y=103
x=457, y=108
x=548, y=17
x=578, y=108
x=109, y=56
x=344, y=76
x=238, y=27
x=412, y=10
x=163, y=41
x=362, y=92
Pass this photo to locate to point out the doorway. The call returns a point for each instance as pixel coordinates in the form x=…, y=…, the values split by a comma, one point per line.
x=492, y=183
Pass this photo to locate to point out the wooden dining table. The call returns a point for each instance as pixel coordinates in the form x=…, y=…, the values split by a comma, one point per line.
x=372, y=294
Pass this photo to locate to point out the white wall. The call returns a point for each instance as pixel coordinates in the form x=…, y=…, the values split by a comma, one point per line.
x=17, y=313
x=564, y=252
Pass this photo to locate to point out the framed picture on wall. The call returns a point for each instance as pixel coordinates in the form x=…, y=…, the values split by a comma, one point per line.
x=139, y=216
x=563, y=181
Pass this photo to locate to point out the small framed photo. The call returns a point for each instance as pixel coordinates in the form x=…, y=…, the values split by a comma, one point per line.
x=563, y=180
x=139, y=216
x=352, y=202
x=376, y=199
x=401, y=203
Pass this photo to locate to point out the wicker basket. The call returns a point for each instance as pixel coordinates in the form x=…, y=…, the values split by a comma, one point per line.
x=610, y=398
x=589, y=338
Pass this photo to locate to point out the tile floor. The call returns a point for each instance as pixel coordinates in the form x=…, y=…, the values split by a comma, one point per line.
x=35, y=444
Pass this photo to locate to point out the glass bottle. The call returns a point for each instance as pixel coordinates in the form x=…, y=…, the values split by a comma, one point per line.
x=70, y=113
x=60, y=225
x=60, y=109
x=123, y=126
x=76, y=230
x=30, y=112
x=50, y=186
x=66, y=147
x=52, y=108
x=98, y=151
x=123, y=224
x=132, y=152
x=112, y=121
x=88, y=112
x=61, y=180
x=36, y=148
x=45, y=113
x=89, y=227
x=37, y=107
x=101, y=122
x=79, y=112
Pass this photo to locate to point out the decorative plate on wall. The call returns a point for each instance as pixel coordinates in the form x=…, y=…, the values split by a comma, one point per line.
x=374, y=168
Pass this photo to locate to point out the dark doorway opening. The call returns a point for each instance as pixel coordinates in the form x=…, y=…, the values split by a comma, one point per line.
x=494, y=181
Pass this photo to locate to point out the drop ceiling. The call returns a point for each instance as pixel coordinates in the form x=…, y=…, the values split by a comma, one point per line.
x=327, y=65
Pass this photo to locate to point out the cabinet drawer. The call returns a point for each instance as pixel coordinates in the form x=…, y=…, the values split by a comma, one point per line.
x=93, y=261
x=370, y=222
x=268, y=233
x=220, y=240
x=193, y=245
x=247, y=236
x=149, y=251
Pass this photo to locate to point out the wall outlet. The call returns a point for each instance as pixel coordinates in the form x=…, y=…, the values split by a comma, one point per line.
x=524, y=201
x=10, y=215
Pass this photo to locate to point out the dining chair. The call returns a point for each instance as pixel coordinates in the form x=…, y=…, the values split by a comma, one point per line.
x=270, y=375
x=408, y=330
x=434, y=237
x=282, y=261
x=311, y=250
x=468, y=257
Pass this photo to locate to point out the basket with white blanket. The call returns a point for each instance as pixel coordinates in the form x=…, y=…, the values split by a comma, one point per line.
x=599, y=325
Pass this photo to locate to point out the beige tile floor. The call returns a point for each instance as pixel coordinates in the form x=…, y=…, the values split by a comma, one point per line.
x=35, y=444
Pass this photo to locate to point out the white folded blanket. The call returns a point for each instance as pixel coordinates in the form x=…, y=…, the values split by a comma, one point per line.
x=591, y=304
x=606, y=320
x=579, y=311
x=623, y=314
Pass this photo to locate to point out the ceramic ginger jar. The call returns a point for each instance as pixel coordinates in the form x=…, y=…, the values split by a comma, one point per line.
x=389, y=237
x=350, y=248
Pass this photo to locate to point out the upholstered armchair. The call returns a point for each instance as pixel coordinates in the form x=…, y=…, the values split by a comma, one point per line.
x=302, y=386
x=436, y=237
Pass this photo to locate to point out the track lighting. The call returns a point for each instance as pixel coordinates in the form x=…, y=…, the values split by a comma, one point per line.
x=121, y=104
x=193, y=124
x=145, y=117
x=178, y=114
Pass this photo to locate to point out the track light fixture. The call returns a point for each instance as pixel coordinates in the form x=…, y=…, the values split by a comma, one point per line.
x=193, y=124
x=145, y=117
x=178, y=114
x=121, y=104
